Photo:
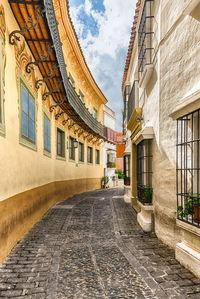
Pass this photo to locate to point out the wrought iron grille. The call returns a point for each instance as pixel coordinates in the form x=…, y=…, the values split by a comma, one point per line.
x=188, y=168
x=127, y=164
x=144, y=171
x=132, y=100
x=145, y=34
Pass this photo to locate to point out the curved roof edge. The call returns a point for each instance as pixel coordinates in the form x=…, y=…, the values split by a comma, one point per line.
x=80, y=55
x=131, y=43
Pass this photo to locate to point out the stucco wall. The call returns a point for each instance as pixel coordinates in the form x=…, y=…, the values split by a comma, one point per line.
x=32, y=181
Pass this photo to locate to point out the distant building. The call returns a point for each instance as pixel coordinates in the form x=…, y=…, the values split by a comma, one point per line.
x=109, y=149
x=120, y=150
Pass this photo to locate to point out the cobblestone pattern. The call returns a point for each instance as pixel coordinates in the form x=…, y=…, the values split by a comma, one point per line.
x=90, y=246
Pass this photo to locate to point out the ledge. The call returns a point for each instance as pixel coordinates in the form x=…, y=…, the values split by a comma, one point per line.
x=146, y=75
x=190, y=6
x=146, y=133
x=190, y=102
x=148, y=207
x=188, y=257
x=188, y=227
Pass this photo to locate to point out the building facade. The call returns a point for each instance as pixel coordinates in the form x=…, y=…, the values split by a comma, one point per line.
x=109, y=148
x=120, y=150
x=51, y=115
x=161, y=79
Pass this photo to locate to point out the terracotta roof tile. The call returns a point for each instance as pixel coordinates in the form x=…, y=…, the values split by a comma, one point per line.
x=131, y=42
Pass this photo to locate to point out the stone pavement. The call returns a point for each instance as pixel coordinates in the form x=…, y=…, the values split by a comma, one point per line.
x=90, y=246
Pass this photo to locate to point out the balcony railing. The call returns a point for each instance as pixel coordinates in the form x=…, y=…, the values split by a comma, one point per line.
x=145, y=34
x=132, y=101
x=110, y=135
x=83, y=112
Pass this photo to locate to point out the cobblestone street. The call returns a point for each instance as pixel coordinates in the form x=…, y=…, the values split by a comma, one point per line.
x=90, y=246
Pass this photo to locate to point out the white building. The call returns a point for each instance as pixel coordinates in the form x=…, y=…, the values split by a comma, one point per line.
x=109, y=149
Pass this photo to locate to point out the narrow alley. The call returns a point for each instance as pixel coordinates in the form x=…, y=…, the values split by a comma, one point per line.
x=90, y=246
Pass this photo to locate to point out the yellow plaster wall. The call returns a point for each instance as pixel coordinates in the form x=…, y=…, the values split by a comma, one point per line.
x=24, y=170
x=76, y=65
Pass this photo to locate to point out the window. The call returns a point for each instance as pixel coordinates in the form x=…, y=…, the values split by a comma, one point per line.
x=47, y=134
x=71, y=80
x=145, y=34
x=188, y=168
x=90, y=155
x=97, y=158
x=60, y=143
x=144, y=171
x=95, y=113
x=81, y=152
x=127, y=170
x=82, y=97
x=1, y=89
x=28, y=114
x=71, y=148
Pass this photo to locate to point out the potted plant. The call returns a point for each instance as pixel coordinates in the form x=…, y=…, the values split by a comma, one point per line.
x=148, y=193
x=145, y=193
x=127, y=181
x=191, y=207
x=104, y=181
x=120, y=174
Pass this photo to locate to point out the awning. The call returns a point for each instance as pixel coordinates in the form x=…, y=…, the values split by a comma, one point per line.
x=127, y=150
x=39, y=27
x=145, y=133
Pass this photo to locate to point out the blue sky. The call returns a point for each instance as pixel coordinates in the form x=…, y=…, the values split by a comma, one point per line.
x=103, y=28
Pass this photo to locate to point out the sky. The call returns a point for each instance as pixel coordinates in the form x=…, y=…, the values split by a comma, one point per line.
x=103, y=28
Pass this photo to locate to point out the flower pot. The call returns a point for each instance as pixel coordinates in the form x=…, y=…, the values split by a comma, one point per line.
x=197, y=214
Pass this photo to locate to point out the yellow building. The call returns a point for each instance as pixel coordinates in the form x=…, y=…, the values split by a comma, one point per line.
x=49, y=105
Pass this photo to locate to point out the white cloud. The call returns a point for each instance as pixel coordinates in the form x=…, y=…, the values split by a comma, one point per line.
x=105, y=52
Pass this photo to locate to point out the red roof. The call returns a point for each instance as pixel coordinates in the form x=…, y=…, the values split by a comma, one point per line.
x=131, y=42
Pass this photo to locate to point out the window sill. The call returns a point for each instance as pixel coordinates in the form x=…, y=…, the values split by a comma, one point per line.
x=148, y=70
x=90, y=163
x=190, y=7
x=72, y=161
x=188, y=227
x=61, y=158
x=189, y=103
x=46, y=153
x=81, y=162
x=148, y=207
x=27, y=144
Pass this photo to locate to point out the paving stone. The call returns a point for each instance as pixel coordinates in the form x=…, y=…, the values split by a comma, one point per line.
x=86, y=247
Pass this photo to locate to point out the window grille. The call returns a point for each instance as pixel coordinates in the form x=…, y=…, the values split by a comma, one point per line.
x=144, y=171
x=127, y=164
x=188, y=168
x=145, y=35
x=132, y=100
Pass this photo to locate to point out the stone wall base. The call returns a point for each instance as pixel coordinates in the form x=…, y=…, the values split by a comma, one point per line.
x=20, y=212
x=144, y=218
x=188, y=257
